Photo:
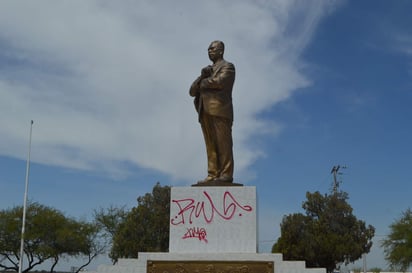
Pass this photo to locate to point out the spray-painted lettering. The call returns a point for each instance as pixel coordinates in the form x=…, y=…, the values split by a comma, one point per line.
x=191, y=209
x=196, y=232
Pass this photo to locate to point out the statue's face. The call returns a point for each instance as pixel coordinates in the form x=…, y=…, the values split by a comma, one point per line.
x=215, y=51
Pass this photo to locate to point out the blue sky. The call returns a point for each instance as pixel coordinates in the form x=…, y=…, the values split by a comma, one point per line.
x=319, y=83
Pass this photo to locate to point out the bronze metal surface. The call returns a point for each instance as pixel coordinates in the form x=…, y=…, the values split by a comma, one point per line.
x=212, y=91
x=210, y=267
x=216, y=183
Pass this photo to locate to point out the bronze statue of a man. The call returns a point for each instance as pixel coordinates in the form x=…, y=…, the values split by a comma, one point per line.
x=213, y=101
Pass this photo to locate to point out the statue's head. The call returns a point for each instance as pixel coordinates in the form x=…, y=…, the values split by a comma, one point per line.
x=216, y=50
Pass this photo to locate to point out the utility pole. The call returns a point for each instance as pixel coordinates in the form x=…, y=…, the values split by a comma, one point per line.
x=25, y=202
x=335, y=172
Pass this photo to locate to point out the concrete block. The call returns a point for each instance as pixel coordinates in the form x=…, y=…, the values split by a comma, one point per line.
x=213, y=220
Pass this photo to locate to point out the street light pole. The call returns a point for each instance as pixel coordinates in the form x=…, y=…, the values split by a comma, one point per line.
x=25, y=202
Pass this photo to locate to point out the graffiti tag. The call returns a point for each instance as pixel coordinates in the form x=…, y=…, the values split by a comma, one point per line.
x=196, y=232
x=190, y=209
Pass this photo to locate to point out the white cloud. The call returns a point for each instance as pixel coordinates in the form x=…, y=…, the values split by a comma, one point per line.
x=107, y=83
x=403, y=43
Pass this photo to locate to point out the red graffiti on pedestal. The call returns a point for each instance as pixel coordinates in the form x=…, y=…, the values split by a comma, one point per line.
x=195, y=232
x=191, y=209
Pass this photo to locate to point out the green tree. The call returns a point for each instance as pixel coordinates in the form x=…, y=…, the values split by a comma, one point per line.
x=327, y=235
x=41, y=223
x=375, y=270
x=398, y=245
x=109, y=221
x=146, y=227
x=83, y=241
x=48, y=235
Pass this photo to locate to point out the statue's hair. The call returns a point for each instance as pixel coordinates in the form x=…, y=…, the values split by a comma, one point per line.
x=220, y=44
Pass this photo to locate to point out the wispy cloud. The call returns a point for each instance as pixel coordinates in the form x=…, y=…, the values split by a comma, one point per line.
x=107, y=83
x=403, y=42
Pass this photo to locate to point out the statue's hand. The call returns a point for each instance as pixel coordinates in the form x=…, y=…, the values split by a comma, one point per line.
x=206, y=71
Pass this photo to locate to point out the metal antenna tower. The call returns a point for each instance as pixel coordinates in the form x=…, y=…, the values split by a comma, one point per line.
x=335, y=172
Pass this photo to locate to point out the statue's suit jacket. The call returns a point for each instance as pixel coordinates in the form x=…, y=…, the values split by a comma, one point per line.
x=214, y=93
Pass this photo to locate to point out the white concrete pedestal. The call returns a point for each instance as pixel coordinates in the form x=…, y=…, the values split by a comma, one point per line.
x=140, y=265
x=211, y=224
x=213, y=220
